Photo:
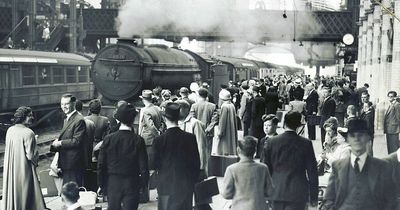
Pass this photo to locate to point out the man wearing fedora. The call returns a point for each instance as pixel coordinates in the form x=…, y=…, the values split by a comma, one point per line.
x=359, y=181
x=150, y=122
x=177, y=163
x=123, y=163
x=291, y=161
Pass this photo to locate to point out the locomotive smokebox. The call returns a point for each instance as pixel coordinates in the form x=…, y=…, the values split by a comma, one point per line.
x=121, y=71
x=128, y=41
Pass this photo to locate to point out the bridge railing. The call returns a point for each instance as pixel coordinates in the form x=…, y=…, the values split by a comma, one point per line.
x=301, y=25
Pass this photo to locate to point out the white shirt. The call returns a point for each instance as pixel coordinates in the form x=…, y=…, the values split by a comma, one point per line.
x=70, y=114
x=361, y=162
x=398, y=155
x=74, y=206
x=124, y=127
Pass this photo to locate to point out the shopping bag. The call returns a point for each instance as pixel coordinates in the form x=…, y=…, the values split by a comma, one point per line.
x=87, y=199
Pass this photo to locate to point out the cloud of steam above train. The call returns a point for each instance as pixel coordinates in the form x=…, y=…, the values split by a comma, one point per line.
x=149, y=17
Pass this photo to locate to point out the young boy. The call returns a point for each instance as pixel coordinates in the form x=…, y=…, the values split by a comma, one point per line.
x=247, y=183
x=351, y=114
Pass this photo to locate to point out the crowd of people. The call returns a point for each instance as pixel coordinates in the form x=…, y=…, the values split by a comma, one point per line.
x=179, y=130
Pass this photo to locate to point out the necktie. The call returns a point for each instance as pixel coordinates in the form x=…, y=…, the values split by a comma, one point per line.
x=356, y=166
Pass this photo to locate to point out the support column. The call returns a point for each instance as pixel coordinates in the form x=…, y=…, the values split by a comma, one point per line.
x=386, y=51
x=368, y=57
x=395, y=77
x=14, y=18
x=360, y=58
x=72, y=26
x=377, y=79
x=32, y=31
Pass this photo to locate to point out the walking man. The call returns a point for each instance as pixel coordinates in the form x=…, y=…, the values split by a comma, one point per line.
x=291, y=161
x=177, y=163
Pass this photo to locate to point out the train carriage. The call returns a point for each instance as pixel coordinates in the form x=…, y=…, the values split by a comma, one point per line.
x=38, y=79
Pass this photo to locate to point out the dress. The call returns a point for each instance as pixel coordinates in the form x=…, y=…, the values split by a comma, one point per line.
x=21, y=189
x=227, y=130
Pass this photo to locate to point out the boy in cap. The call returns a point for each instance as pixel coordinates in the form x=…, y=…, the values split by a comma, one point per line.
x=177, y=163
x=123, y=163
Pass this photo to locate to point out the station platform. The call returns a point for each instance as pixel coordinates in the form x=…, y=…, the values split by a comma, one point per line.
x=219, y=203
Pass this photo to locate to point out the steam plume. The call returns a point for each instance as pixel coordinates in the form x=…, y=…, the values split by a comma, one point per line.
x=222, y=17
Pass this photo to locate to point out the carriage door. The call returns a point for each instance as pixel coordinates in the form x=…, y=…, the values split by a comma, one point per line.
x=221, y=76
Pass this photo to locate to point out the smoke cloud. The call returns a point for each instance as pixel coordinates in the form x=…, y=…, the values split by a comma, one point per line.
x=226, y=18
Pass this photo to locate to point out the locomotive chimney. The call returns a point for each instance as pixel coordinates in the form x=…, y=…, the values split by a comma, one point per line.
x=128, y=41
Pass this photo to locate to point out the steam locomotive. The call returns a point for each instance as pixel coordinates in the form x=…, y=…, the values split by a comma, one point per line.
x=122, y=70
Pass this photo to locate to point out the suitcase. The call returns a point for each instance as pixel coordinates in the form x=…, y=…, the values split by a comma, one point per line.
x=47, y=184
x=313, y=120
x=217, y=164
x=205, y=190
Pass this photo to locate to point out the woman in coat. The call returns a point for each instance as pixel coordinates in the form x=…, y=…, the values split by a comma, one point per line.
x=227, y=125
x=21, y=189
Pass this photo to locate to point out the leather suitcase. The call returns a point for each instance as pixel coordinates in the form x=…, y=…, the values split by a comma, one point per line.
x=47, y=184
x=217, y=164
x=205, y=190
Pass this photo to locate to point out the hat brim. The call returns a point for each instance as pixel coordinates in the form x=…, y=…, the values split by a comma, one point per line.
x=149, y=98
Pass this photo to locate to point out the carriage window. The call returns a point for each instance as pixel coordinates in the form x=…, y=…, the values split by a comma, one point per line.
x=71, y=75
x=44, y=75
x=83, y=73
x=28, y=75
x=58, y=75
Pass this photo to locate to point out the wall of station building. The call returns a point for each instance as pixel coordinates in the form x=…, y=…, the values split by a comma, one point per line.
x=379, y=48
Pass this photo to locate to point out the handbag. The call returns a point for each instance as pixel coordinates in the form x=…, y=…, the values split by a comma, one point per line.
x=87, y=199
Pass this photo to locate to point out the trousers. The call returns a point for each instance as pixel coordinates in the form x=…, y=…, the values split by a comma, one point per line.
x=123, y=193
x=392, y=142
x=285, y=205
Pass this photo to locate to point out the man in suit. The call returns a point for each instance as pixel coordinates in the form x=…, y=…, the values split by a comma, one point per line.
x=206, y=112
x=359, y=181
x=177, y=163
x=150, y=122
x=394, y=160
x=368, y=114
x=244, y=100
x=296, y=89
x=271, y=100
x=89, y=180
x=70, y=142
x=311, y=109
x=391, y=126
x=123, y=163
x=328, y=109
x=291, y=161
x=257, y=111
